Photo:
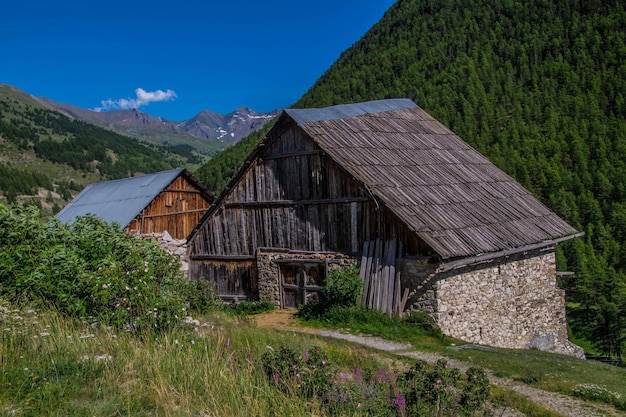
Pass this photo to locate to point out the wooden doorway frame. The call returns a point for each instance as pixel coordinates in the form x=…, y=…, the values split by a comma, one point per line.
x=305, y=283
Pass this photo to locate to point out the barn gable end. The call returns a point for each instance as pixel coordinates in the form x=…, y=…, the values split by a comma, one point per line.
x=172, y=201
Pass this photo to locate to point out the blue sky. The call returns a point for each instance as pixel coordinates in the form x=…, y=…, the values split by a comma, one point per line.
x=174, y=59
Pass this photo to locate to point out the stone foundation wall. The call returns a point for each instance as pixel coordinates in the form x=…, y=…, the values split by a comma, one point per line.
x=513, y=304
x=269, y=271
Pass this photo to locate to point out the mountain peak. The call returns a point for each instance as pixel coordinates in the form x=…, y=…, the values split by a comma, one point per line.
x=200, y=132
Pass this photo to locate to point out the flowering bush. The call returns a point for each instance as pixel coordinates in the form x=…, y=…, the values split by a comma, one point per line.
x=306, y=375
x=420, y=391
x=442, y=392
x=92, y=269
x=593, y=392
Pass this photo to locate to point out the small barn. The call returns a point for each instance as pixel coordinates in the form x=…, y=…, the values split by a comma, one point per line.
x=431, y=223
x=172, y=201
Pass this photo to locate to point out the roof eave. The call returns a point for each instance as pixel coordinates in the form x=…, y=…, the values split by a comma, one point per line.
x=480, y=258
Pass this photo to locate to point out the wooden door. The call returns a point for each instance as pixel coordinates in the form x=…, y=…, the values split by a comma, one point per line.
x=300, y=281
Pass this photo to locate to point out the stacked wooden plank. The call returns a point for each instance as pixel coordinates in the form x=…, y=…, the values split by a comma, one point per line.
x=380, y=271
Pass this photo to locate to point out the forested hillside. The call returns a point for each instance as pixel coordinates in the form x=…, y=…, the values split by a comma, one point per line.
x=42, y=148
x=216, y=172
x=538, y=87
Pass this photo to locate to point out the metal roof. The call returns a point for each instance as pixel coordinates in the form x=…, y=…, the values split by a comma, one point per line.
x=344, y=111
x=118, y=201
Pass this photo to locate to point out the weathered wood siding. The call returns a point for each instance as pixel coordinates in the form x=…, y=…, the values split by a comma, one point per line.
x=178, y=209
x=294, y=197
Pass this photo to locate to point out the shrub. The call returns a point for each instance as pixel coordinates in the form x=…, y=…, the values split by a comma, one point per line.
x=305, y=375
x=423, y=390
x=593, y=392
x=442, y=392
x=342, y=290
x=201, y=296
x=92, y=269
x=343, y=286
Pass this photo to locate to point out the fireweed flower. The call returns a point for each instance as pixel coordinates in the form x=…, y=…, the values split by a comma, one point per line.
x=400, y=401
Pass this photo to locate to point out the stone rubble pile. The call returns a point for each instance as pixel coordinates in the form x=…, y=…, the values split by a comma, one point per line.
x=175, y=247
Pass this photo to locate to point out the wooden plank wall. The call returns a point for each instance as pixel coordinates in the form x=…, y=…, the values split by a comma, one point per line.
x=292, y=197
x=229, y=278
x=178, y=209
x=296, y=198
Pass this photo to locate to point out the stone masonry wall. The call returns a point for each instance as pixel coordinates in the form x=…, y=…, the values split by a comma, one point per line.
x=513, y=304
x=269, y=272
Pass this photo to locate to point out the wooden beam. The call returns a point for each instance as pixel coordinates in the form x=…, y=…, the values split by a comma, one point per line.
x=171, y=190
x=289, y=155
x=148, y=216
x=300, y=287
x=222, y=258
x=300, y=260
x=280, y=203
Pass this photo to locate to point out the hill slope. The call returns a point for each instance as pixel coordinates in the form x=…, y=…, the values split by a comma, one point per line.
x=538, y=87
x=45, y=156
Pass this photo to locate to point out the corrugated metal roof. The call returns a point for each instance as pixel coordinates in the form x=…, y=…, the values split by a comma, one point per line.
x=118, y=201
x=457, y=201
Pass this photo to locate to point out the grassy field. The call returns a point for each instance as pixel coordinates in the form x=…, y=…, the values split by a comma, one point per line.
x=51, y=365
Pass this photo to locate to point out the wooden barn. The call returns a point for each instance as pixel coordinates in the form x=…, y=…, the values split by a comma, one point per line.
x=172, y=201
x=432, y=224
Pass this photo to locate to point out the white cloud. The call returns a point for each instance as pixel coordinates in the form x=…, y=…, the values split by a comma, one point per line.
x=143, y=99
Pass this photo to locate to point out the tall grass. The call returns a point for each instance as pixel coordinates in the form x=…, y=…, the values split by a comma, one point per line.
x=51, y=365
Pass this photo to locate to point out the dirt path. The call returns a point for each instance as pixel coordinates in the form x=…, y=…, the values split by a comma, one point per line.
x=561, y=404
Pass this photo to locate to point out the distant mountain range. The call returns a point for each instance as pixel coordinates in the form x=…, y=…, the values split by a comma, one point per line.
x=208, y=132
x=49, y=151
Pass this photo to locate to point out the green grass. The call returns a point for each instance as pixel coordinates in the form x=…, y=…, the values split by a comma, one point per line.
x=551, y=372
x=358, y=320
x=52, y=365
x=544, y=370
x=510, y=399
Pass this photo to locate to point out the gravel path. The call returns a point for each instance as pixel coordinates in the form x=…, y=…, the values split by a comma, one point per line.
x=562, y=404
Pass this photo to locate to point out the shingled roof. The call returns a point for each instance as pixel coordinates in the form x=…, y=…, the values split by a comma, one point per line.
x=449, y=194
